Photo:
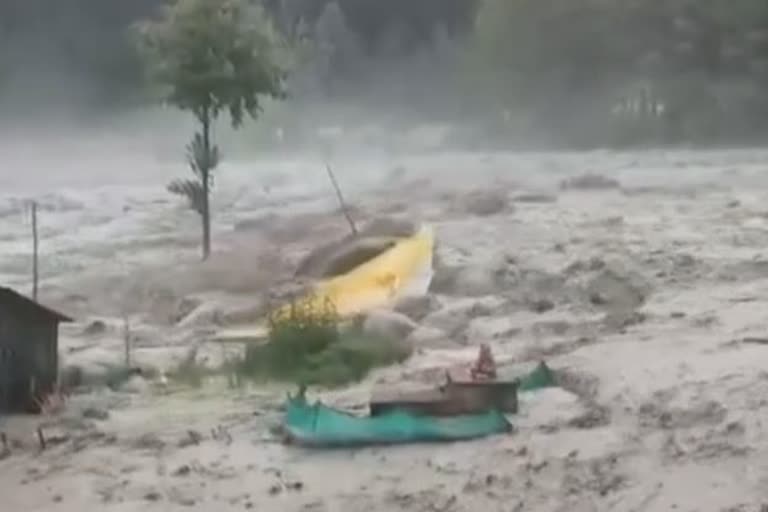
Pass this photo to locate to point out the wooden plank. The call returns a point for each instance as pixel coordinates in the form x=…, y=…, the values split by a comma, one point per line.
x=455, y=398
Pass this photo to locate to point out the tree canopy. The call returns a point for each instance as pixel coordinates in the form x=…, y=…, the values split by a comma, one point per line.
x=706, y=61
x=209, y=56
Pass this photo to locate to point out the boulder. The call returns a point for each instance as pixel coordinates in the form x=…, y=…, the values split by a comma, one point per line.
x=95, y=328
x=484, y=203
x=416, y=308
x=444, y=279
x=616, y=288
x=388, y=324
x=475, y=280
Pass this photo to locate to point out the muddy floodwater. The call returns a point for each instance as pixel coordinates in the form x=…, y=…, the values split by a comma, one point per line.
x=642, y=278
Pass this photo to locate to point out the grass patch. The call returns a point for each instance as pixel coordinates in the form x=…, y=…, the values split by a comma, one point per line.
x=307, y=346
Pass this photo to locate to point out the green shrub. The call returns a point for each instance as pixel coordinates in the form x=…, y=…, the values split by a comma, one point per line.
x=308, y=347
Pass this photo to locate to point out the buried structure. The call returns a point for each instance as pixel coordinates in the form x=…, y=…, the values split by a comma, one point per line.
x=29, y=342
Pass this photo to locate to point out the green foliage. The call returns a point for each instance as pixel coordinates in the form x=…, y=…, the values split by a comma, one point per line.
x=309, y=347
x=202, y=160
x=209, y=56
x=542, y=43
x=565, y=64
x=189, y=189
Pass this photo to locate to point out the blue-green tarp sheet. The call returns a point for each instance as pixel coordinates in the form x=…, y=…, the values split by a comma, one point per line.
x=319, y=425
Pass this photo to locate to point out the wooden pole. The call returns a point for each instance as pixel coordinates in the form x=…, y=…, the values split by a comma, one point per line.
x=41, y=438
x=127, y=341
x=35, y=276
x=343, y=204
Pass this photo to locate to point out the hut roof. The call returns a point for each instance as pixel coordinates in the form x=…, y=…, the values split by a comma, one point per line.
x=18, y=301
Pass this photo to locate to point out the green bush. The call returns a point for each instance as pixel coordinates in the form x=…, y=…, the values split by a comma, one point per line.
x=308, y=347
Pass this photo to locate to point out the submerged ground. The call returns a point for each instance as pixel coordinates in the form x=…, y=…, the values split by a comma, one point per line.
x=647, y=294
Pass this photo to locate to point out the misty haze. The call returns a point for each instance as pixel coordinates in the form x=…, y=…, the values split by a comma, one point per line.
x=383, y=255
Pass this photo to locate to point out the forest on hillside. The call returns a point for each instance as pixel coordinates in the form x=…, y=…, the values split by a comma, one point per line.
x=585, y=72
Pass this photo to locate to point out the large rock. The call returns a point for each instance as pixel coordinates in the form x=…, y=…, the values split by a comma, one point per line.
x=444, y=279
x=617, y=289
x=476, y=281
x=388, y=324
x=484, y=203
x=95, y=328
x=416, y=308
x=469, y=281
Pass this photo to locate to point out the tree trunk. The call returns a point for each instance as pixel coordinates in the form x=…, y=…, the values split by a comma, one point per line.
x=35, y=274
x=205, y=175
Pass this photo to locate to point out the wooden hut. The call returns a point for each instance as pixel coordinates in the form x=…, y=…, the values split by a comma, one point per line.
x=29, y=344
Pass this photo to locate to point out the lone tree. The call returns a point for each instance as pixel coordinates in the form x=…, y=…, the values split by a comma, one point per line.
x=210, y=57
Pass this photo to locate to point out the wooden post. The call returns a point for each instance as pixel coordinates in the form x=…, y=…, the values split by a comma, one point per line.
x=343, y=204
x=127, y=340
x=41, y=438
x=5, y=449
x=35, y=276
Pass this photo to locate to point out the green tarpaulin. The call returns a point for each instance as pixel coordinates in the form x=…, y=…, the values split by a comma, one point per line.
x=540, y=377
x=318, y=425
x=322, y=426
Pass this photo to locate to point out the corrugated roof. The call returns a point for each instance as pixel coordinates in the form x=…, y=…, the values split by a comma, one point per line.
x=14, y=298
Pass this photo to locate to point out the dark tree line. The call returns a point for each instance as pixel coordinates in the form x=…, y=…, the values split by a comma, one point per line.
x=630, y=70
x=88, y=38
x=666, y=71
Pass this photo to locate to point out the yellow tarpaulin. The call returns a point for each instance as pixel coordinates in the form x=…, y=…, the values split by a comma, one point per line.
x=403, y=270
